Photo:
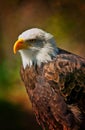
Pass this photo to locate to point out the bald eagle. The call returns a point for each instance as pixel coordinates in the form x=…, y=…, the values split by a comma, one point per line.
x=54, y=80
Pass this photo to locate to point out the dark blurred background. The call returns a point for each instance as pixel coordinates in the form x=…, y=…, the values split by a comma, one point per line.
x=64, y=19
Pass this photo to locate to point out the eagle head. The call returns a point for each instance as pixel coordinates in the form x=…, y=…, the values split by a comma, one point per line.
x=35, y=46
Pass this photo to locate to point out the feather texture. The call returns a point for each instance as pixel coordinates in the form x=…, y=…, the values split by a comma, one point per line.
x=57, y=91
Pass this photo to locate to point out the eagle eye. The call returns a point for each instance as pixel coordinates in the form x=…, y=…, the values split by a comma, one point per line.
x=32, y=40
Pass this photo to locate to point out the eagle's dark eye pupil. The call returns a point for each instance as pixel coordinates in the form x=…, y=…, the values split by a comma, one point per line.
x=32, y=40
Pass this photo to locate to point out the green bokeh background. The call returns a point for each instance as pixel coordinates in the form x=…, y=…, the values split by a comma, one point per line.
x=64, y=19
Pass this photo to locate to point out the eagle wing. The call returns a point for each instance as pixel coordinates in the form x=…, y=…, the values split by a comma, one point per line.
x=66, y=74
x=67, y=71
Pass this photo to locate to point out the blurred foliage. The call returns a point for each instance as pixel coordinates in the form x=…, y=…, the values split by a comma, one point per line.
x=64, y=19
x=4, y=77
x=7, y=76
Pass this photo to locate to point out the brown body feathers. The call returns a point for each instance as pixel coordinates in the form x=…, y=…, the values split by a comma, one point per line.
x=57, y=92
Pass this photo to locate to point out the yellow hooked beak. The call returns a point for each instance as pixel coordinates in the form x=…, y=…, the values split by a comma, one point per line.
x=20, y=44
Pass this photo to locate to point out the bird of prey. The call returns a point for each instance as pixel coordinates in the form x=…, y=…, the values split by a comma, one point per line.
x=54, y=79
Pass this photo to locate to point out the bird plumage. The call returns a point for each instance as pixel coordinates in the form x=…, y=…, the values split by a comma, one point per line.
x=41, y=47
x=56, y=89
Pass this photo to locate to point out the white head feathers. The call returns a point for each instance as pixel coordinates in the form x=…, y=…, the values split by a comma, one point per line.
x=35, y=33
x=42, y=51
